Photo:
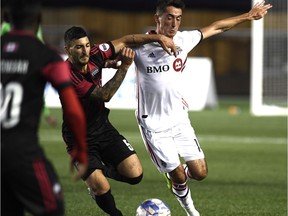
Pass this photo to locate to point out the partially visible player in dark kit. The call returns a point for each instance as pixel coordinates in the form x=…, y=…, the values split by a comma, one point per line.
x=28, y=179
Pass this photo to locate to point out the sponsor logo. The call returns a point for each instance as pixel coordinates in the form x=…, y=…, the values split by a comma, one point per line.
x=158, y=69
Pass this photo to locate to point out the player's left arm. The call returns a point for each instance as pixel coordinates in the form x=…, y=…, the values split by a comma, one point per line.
x=106, y=92
x=258, y=11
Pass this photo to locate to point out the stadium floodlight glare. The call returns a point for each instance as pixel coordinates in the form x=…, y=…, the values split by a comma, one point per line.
x=269, y=68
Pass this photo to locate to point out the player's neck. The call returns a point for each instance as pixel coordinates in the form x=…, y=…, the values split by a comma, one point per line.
x=80, y=67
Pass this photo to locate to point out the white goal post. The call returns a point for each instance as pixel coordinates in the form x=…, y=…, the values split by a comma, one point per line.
x=269, y=69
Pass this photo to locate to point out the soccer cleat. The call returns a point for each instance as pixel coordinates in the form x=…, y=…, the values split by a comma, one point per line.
x=91, y=193
x=168, y=180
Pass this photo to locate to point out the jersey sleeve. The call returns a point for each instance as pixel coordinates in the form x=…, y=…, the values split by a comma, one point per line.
x=82, y=86
x=191, y=39
x=57, y=73
x=101, y=52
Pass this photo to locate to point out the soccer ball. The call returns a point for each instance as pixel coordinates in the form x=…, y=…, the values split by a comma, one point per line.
x=153, y=206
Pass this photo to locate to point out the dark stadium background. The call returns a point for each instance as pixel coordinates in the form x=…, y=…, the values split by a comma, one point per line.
x=148, y=5
x=110, y=19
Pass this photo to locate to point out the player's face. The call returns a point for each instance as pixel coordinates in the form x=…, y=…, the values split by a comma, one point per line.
x=168, y=23
x=79, y=50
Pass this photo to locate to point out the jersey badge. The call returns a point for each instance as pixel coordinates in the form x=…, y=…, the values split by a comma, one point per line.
x=104, y=47
x=11, y=47
x=178, y=64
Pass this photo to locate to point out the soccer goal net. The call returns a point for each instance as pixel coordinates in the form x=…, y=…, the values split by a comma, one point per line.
x=269, y=66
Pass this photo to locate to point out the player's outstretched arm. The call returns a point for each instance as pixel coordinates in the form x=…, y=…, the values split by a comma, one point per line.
x=258, y=11
x=139, y=39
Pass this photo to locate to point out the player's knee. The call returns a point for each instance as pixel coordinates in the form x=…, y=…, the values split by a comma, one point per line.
x=199, y=176
x=135, y=180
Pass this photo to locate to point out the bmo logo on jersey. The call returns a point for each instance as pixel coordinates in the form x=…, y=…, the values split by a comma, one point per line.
x=177, y=66
x=157, y=69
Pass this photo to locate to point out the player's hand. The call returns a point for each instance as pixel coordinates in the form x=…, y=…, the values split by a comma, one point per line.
x=82, y=163
x=259, y=10
x=126, y=57
x=114, y=63
x=81, y=169
x=168, y=45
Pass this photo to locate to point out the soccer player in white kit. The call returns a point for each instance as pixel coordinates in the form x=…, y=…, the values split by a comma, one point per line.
x=162, y=112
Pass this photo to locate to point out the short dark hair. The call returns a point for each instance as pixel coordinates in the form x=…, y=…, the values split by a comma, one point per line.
x=163, y=4
x=22, y=13
x=74, y=33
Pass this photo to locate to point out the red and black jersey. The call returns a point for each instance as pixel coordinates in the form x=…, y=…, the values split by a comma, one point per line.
x=26, y=65
x=84, y=83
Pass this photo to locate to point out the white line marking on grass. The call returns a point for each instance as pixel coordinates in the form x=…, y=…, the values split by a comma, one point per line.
x=47, y=136
x=242, y=139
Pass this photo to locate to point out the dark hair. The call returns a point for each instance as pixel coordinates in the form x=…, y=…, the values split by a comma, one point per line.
x=163, y=4
x=23, y=13
x=74, y=33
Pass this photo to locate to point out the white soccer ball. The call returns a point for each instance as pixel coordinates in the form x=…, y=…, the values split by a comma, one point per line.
x=153, y=206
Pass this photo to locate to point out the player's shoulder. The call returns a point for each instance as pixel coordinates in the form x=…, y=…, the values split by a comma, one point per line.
x=102, y=47
x=188, y=33
x=188, y=37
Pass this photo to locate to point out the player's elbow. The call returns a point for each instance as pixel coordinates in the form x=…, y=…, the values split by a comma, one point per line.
x=106, y=99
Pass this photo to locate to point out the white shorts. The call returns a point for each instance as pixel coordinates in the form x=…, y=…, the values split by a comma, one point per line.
x=165, y=147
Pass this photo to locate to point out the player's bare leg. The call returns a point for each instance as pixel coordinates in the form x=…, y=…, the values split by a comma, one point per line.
x=198, y=169
x=130, y=167
x=99, y=189
x=129, y=171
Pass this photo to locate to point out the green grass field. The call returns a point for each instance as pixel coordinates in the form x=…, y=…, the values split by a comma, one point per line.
x=247, y=161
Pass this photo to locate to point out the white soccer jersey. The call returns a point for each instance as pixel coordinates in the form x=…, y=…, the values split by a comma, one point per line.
x=159, y=86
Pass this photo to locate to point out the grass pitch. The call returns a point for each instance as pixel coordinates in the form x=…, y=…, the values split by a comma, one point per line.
x=246, y=156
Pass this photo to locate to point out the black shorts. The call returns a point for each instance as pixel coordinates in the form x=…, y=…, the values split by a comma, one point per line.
x=28, y=180
x=107, y=147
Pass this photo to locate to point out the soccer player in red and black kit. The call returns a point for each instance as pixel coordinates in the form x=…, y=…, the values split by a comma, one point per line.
x=28, y=179
x=109, y=153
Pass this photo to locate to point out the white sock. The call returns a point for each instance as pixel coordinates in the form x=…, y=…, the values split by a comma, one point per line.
x=183, y=195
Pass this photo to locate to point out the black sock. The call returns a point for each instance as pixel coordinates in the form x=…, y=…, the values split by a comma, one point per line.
x=107, y=203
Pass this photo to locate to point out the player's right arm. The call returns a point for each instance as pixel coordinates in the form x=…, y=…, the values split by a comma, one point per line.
x=57, y=74
x=140, y=39
x=258, y=11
